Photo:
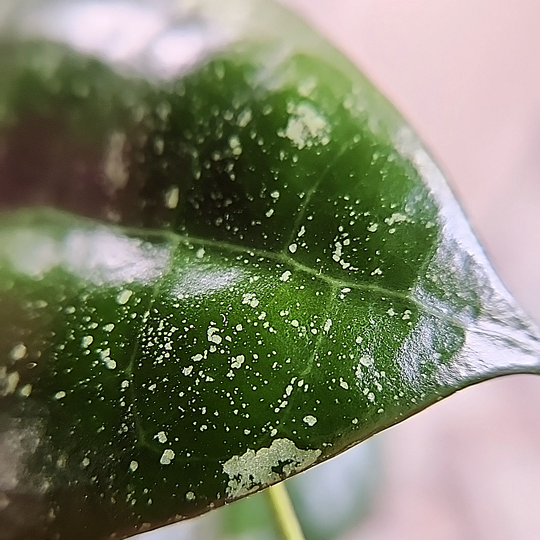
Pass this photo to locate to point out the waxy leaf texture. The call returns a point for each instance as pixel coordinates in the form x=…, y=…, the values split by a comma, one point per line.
x=218, y=267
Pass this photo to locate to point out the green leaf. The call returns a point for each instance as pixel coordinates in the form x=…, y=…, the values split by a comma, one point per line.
x=214, y=273
x=328, y=499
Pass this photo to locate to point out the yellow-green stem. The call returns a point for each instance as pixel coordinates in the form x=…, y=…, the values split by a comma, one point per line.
x=284, y=512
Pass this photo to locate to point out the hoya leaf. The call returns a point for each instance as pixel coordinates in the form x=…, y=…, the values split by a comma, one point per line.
x=224, y=258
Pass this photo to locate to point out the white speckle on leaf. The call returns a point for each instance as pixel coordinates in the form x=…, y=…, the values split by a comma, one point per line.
x=213, y=335
x=310, y=420
x=60, y=395
x=366, y=360
x=167, y=457
x=244, y=118
x=161, y=436
x=123, y=296
x=236, y=147
x=26, y=390
x=293, y=248
x=86, y=341
x=250, y=299
x=396, y=218
x=18, y=352
x=8, y=383
x=110, y=363
x=286, y=275
x=237, y=361
x=256, y=469
x=172, y=197
x=306, y=126
x=133, y=466
x=327, y=325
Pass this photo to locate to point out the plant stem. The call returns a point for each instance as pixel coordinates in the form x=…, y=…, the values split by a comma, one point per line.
x=284, y=512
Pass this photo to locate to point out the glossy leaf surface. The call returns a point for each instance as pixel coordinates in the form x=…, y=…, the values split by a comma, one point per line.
x=216, y=273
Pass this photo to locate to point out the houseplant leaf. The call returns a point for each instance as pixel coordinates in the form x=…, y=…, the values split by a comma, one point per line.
x=224, y=258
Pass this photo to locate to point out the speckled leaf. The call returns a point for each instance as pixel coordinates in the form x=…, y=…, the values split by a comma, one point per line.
x=223, y=258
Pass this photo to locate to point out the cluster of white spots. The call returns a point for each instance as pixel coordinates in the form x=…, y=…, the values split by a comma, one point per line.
x=167, y=457
x=341, y=243
x=256, y=469
x=367, y=360
x=109, y=327
x=396, y=217
x=237, y=361
x=123, y=296
x=18, y=352
x=376, y=272
x=161, y=437
x=336, y=255
x=306, y=126
x=106, y=358
x=310, y=420
x=236, y=146
x=327, y=325
x=172, y=196
x=250, y=299
x=213, y=335
x=373, y=227
x=343, y=383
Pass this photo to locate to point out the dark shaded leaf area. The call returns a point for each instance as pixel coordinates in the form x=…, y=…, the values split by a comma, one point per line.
x=212, y=283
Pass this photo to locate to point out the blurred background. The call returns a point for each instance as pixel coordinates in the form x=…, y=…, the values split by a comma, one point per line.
x=466, y=73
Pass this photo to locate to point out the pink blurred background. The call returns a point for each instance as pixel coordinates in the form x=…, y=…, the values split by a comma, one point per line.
x=466, y=73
